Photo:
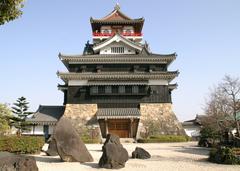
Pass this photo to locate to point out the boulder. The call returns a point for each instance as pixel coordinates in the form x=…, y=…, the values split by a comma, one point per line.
x=113, y=139
x=52, y=148
x=114, y=155
x=69, y=145
x=140, y=153
x=11, y=162
x=6, y=154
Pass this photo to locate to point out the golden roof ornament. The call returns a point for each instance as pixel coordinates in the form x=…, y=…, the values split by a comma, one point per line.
x=117, y=7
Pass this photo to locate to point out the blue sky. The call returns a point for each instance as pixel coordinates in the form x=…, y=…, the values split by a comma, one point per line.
x=205, y=35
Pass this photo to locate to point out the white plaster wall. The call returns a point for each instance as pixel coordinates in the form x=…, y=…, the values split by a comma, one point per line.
x=192, y=132
x=38, y=130
x=85, y=82
x=50, y=131
x=77, y=82
x=157, y=82
x=127, y=49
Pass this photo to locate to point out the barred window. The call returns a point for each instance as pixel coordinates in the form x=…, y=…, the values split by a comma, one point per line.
x=108, y=89
x=117, y=49
x=142, y=89
x=135, y=89
x=101, y=89
x=94, y=90
x=121, y=89
x=115, y=89
x=128, y=89
x=106, y=31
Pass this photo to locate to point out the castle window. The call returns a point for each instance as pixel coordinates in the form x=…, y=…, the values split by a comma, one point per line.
x=101, y=89
x=142, y=89
x=108, y=89
x=121, y=89
x=94, y=90
x=128, y=89
x=135, y=89
x=115, y=89
x=106, y=31
x=128, y=32
x=117, y=49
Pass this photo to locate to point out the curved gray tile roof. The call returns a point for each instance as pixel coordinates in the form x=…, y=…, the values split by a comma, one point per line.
x=47, y=114
x=117, y=113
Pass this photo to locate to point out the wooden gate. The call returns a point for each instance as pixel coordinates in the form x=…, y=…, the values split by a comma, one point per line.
x=120, y=127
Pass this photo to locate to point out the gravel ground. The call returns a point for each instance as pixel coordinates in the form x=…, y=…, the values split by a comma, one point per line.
x=165, y=157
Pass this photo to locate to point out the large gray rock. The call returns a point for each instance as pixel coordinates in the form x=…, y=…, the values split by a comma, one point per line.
x=140, y=153
x=114, y=155
x=11, y=162
x=52, y=148
x=69, y=145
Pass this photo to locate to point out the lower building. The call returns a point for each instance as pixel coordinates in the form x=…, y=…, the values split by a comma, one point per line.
x=193, y=127
x=44, y=120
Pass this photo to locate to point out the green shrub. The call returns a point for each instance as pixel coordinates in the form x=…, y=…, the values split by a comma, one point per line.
x=21, y=145
x=90, y=140
x=209, y=137
x=164, y=138
x=224, y=155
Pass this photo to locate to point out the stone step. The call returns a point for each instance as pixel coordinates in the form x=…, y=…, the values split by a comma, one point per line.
x=123, y=140
x=127, y=140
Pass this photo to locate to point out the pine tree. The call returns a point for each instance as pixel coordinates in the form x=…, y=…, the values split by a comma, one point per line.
x=20, y=108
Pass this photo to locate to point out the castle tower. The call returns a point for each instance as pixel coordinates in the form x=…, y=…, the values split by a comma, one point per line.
x=117, y=85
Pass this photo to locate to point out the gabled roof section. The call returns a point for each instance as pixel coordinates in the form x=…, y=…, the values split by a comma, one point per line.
x=117, y=38
x=116, y=17
x=116, y=14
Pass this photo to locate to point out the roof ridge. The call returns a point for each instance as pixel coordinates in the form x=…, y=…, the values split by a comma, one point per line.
x=116, y=9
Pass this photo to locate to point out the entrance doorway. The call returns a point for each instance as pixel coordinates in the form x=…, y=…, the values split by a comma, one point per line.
x=46, y=131
x=120, y=127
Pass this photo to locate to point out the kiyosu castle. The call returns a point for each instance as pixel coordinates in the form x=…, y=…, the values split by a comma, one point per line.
x=117, y=85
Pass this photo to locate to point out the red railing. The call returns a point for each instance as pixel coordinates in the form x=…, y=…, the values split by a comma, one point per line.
x=112, y=34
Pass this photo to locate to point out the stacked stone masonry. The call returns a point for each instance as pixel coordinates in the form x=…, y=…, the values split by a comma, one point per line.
x=82, y=116
x=162, y=117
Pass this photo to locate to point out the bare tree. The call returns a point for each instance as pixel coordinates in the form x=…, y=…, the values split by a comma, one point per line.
x=216, y=109
x=222, y=106
x=231, y=89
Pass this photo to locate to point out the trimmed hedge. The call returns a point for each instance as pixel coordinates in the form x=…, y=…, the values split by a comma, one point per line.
x=88, y=140
x=22, y=144
x=224, y=155
x=165, y=138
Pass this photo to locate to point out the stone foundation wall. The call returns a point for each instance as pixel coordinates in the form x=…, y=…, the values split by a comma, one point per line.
x=158, y=119
x=83, y=117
